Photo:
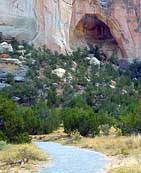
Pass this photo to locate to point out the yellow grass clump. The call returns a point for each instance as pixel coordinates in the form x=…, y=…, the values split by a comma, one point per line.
x=23, y=157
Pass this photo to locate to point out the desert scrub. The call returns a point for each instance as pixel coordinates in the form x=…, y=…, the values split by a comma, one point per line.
x=75, y=137
x=109, y=145
x=112, y=146
x=27, y=154
x=2, y=145
x=125, y=150
x=14, y=153
x=127, y=170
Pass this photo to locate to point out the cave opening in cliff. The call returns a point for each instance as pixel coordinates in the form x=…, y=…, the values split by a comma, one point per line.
x=92, y=31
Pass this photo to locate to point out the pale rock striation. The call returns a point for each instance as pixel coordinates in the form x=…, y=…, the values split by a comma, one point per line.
x=17, y=19
x=62, y=25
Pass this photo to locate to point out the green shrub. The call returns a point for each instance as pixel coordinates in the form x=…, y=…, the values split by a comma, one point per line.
x=22, y=138
x=2, y=145
x=2, y=136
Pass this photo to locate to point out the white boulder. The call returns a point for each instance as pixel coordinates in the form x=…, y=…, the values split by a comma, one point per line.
x=22, y=58
x=60, y=72
x=74, y=64
x=94, y=61
x=5, y=47
x=20, y=47
x=87, y=58
x=22, y=52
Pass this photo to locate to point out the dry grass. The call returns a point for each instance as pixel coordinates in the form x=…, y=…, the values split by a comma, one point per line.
x=125, y=151
x=127, y=170
x=109, y=145
x=57, y=135
x=113, y=146
x=13, y=153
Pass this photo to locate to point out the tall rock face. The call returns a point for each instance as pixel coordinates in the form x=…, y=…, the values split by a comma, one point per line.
x=114, y=25
x=17, y=19
x=62, y=25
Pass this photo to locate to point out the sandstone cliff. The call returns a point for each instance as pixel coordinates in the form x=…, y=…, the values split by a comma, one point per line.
x=115, y=26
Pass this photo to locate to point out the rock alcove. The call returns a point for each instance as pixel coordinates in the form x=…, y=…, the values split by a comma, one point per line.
x=90, y=30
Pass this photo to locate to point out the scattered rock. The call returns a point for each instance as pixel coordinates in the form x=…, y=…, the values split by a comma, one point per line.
x=22, y=58
x=3, y=74
x=94, y=61
x=113, y=84
x=3, y=85
x=4, y=56
x=5, y=47
x=74, y=64
x=22, y=52
x=20, y=47
x=60, y=72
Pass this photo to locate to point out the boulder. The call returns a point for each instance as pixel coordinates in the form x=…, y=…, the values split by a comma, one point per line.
x=3, y=74
x=74, y=64
x=19, y=79
x=5, y=47
x=3, y=85
x=60, y=72
x=21, y=52
x=22, y=58
x=20, y=47
x=94, y=61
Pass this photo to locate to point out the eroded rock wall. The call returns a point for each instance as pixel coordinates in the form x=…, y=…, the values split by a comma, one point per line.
x=54, y=18
x=17, y=19
x=54, y=22
x=122, y=17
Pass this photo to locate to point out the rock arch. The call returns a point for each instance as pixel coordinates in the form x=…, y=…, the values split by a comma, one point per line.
x=95, y=11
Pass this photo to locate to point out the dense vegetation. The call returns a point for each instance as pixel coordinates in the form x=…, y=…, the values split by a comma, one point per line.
x=17, y=122
x=85, y=99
